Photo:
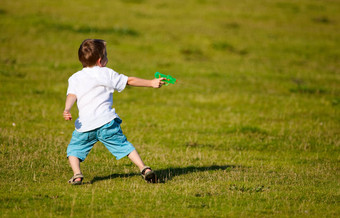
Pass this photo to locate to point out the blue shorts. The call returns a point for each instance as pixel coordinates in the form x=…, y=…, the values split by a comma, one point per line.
x=111, y=135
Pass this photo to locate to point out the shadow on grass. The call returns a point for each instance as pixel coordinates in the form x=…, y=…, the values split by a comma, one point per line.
x=165, y=175
x=113, y=176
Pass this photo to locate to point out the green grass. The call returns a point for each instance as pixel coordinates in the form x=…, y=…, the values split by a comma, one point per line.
x=252, y=128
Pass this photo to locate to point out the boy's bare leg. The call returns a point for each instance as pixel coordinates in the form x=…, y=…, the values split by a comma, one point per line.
x=75, y=165
x=135, y=158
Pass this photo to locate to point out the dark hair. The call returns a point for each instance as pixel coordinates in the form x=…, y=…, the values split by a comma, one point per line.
x=90, y=51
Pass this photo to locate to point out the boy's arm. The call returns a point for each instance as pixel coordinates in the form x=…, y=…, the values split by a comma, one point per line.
x=155, y=83
x=70, y=100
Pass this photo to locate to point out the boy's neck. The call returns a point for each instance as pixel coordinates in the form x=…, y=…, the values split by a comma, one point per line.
x=93, y=66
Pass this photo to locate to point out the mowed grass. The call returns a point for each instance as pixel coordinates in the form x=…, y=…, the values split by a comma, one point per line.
x=252, y=127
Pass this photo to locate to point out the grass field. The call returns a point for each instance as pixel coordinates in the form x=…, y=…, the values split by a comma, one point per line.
x=252, y=128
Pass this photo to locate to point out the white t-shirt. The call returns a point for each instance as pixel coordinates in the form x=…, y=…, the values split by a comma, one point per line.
x=94, y=87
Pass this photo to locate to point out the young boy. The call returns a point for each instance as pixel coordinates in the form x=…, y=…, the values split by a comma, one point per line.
x=92, y=88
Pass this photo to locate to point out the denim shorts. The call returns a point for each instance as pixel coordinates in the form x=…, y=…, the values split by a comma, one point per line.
x=111, y=135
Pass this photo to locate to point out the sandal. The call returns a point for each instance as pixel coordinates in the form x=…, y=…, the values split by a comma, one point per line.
x=73, y=181
x=150, y=176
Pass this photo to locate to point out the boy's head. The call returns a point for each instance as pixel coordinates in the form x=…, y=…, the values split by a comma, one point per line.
x=92, y=52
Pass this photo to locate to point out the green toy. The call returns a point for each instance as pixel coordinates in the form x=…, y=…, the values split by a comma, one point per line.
x=168, y=79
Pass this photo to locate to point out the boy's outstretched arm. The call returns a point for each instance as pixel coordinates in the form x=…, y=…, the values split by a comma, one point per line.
x=154, y=83
x=70, y=100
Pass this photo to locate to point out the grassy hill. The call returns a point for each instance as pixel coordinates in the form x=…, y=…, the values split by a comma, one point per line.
x=252, y=127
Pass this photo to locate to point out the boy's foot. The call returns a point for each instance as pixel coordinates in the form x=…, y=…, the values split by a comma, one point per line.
x=76, y=179
x=149, y=175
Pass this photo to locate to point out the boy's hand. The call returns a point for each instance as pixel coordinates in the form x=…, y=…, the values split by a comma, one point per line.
x=67, y=115
x=157, y=83
x=70, y=100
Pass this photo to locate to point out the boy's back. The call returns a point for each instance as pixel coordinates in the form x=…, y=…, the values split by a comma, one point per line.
x=93, y=87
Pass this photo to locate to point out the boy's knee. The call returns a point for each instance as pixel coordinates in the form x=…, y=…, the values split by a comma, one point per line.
x=78, y=155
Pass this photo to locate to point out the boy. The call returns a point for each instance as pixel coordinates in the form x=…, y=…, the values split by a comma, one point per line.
x=92, y=88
